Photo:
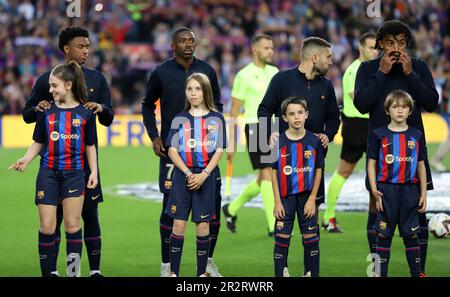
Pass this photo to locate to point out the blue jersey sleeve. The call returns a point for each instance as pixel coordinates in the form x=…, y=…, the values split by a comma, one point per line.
x=90, y=130
x=373, y=147
x=173, y=138
x=222, y=137
x=422, y=148
x=39, y=128
x=320, y=160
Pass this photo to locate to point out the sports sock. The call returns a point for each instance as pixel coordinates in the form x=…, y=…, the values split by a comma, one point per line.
x=59, y=219
x=371, y=233
x=311, y=250
x=280, y=251
x=412, y=252
x=73, y=249
x=249, y=192
x=46, y=245
x=334, y=188
x=214, y=228
x=92, y=237
x=269, y=203
x=176, y=249
x=165, y=230
x=423, y=241
x=383, y=249
x=203, y=243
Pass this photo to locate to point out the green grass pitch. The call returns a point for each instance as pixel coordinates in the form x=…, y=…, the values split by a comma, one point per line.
x=130, y=228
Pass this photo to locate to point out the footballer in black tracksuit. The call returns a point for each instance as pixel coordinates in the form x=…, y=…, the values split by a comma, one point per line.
x=323, y=112
x=167, y=83
x=371, y=89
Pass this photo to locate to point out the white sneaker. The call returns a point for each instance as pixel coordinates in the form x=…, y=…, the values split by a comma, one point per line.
x=211, y=269
x=438, y=166
x=172, y=274
x=308, y=274
x=203, y=275
x=286, y=272
x=165, y=270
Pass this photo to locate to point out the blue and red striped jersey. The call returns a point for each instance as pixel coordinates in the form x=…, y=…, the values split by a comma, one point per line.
x=297, y=162
x=197, y=138
x=65, y=133
x=397, y=154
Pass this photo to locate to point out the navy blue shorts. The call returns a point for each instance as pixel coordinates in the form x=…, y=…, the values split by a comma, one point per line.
x=52, y=186
x=296, y=204
x=201, y=202
x=400, y=205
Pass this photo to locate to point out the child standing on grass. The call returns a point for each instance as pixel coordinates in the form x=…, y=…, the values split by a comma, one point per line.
x=63, y=134
x=397, y=177
x=196, y=142
x=296, y=180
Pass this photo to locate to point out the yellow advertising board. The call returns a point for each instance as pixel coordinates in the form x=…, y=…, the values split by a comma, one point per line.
x=129, y=130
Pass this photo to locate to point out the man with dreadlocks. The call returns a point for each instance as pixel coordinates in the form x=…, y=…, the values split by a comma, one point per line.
x=375, y=79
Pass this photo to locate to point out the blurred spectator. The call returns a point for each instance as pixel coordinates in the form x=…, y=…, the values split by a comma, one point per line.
x=129, y=38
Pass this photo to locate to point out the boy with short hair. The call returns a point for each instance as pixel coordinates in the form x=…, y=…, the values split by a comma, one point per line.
x=296, y=179
x=395, y=168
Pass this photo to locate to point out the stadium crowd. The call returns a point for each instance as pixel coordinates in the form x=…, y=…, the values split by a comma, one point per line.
x=129, y=38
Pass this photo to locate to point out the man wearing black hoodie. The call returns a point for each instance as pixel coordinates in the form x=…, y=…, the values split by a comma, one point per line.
x=395, y=69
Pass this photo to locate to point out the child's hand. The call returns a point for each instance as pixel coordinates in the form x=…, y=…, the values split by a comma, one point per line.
x=310, y=207
x=278, y=211
x=378, y=196
x=93, y=181
x=20, y=165
x=423, y=203
x=195, y=181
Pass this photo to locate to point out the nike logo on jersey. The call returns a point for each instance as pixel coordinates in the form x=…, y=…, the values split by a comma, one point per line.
x=312, y=228
x=204, y=216
x=95, y=197
x=187, y=130
x=386, y=145
x=72, y=191
x=52, y=122
x=283, y=156
x=414, y=229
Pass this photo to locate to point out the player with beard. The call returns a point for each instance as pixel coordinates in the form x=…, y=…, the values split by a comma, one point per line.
x=308, y=81
x=249, y=87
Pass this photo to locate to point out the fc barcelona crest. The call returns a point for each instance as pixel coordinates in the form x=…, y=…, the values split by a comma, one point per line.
x=307, y=154
x=280, y=225
x=211, y=128
x=173, y=208
x=40, y=194
x=76, y=122
x=411, y=145
x=383, y=225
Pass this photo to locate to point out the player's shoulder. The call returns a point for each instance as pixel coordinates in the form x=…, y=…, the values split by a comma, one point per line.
x=43, y=78
x=381, y=130
x=418, y=63
x=415, y=131
x=245, y=70
x=284, y=75
x=371, y=65
x=311, y=137
x=90, y=73
x=216, y=114
x=352, y=68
